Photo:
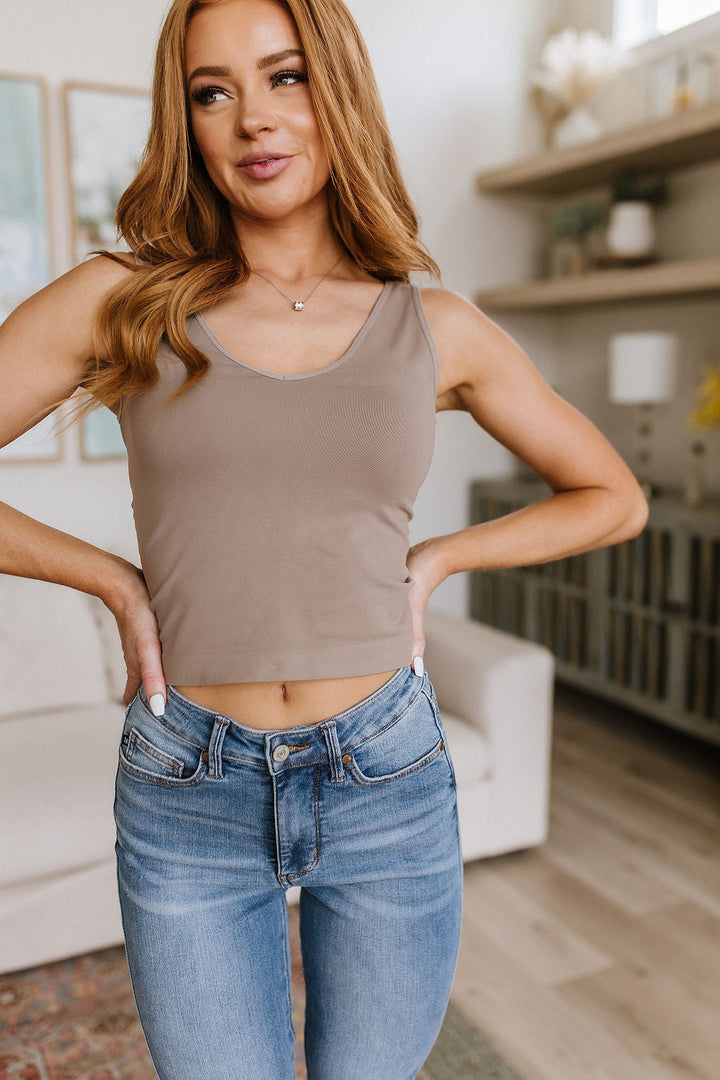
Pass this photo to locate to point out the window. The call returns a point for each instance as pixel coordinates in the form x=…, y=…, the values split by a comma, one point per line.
x=640, y=20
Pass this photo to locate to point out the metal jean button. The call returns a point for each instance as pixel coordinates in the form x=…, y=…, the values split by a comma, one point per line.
x=281, y=752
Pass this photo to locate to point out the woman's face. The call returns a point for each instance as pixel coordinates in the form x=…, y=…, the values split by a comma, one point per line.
x=252, y=117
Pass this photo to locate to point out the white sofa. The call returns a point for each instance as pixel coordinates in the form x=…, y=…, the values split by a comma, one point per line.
x=62, y=676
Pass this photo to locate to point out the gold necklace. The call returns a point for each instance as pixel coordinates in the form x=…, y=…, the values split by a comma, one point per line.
x=297, y=305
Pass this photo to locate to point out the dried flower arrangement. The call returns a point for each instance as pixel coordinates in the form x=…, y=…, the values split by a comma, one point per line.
x=572, y=66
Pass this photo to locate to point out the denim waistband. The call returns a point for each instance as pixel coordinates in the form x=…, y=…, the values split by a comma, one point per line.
x=304, y=743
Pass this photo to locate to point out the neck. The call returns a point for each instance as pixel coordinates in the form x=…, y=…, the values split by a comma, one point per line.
x=289, y=251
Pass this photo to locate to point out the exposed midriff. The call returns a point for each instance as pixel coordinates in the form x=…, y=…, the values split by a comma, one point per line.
x=280, y=705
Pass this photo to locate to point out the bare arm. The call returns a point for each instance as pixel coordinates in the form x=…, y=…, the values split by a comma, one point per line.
x=596, y=500
x=45, y=344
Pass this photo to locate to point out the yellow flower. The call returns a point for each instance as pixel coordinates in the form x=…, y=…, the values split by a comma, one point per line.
x=707, y=412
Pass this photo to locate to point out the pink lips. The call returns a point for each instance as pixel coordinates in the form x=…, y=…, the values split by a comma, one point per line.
x=263, y=166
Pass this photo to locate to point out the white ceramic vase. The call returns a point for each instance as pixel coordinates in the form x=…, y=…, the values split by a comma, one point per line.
x=631, y=229
x=579, y=126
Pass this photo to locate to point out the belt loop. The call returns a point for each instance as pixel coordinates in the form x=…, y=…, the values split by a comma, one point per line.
x=214, y=750
x=334, y=753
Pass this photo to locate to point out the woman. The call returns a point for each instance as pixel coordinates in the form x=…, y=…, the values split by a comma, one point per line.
x=280, y=728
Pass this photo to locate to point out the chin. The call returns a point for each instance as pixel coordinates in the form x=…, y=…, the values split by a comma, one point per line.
x=276, y=210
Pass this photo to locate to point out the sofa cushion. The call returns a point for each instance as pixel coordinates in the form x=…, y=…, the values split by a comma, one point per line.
x=51, y=649
x=468, y=749
x=57, y=775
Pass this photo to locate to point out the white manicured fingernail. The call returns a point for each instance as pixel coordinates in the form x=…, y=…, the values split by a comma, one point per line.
x=157, y=704
x=418, y=666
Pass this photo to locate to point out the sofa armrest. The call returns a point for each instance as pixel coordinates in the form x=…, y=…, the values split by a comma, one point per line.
x=483, y=674
x=504, y=686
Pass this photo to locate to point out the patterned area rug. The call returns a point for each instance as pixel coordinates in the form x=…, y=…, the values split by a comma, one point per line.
x=76, y=1020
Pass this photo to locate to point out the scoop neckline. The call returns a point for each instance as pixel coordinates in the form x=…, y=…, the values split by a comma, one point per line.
x=361, y=334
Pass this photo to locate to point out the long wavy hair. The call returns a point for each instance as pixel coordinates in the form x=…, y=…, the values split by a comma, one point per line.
x=176, y=222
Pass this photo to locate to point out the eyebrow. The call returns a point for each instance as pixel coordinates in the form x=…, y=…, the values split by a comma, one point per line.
x=223, y=71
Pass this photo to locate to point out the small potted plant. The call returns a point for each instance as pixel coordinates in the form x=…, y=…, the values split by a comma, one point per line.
x=631, y=224
x=571, y=224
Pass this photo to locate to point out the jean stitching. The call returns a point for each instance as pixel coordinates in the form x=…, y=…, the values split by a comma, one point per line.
x=334, y=752
x=217, y=737
x=441, y=728
x=427, y=760
x=162, y=722
x=288, y=977
x=316, y=855
x=258, y=763
x=159, y=755
x=148, y=777
x=276, y=822
x=385, y=727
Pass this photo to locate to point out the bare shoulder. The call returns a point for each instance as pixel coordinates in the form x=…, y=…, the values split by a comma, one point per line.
x=63, y=312
x=47, y=341
x=465, y=339
x=98, y=274
x=74, y=295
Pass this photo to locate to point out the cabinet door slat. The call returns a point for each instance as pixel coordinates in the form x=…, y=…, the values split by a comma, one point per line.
x=637, y=622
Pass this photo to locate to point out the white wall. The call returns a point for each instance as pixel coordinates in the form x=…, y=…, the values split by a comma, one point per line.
x=454, y=84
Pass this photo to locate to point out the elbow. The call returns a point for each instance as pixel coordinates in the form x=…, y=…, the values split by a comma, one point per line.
x=636, y=511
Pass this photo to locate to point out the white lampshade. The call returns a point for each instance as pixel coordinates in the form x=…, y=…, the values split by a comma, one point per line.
x=642, y=367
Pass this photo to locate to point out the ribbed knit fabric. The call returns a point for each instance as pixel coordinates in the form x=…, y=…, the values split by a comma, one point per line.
x=272, y=511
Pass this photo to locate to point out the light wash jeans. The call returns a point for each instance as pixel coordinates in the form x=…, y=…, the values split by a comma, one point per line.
x=216, y=820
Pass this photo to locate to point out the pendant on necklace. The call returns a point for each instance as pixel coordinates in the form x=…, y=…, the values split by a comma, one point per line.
x=298, y=305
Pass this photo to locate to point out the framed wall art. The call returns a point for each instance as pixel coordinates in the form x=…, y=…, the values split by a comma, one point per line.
x=106, y=129
x=26, y=256
x=26, y=252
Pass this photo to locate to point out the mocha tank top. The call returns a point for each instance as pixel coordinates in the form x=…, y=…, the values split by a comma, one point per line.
x=272, y=510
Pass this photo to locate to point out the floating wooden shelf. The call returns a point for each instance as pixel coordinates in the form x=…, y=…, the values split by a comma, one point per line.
x=671, y=142
x=675, y=277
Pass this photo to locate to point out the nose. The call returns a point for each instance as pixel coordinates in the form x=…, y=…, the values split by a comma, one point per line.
x=255, y=115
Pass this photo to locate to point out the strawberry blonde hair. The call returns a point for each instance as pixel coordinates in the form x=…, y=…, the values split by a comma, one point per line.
x=176, y=222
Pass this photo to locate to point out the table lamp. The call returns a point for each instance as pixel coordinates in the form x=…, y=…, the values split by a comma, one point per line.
x=642, y=370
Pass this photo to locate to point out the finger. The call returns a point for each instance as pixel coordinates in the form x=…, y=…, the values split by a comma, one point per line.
x=417, y=607
x=418, y=651
x=153, y=677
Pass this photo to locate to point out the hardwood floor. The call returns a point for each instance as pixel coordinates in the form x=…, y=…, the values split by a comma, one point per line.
x=597, y=955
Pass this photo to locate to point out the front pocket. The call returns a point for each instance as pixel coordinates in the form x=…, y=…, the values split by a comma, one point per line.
x=139, y=751
x=403, y=745
x=362, y=778
x=153, y=776
x=151, y=750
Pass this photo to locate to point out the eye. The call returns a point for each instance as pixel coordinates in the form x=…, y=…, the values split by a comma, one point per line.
x=204, y=95
x=287, y=78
